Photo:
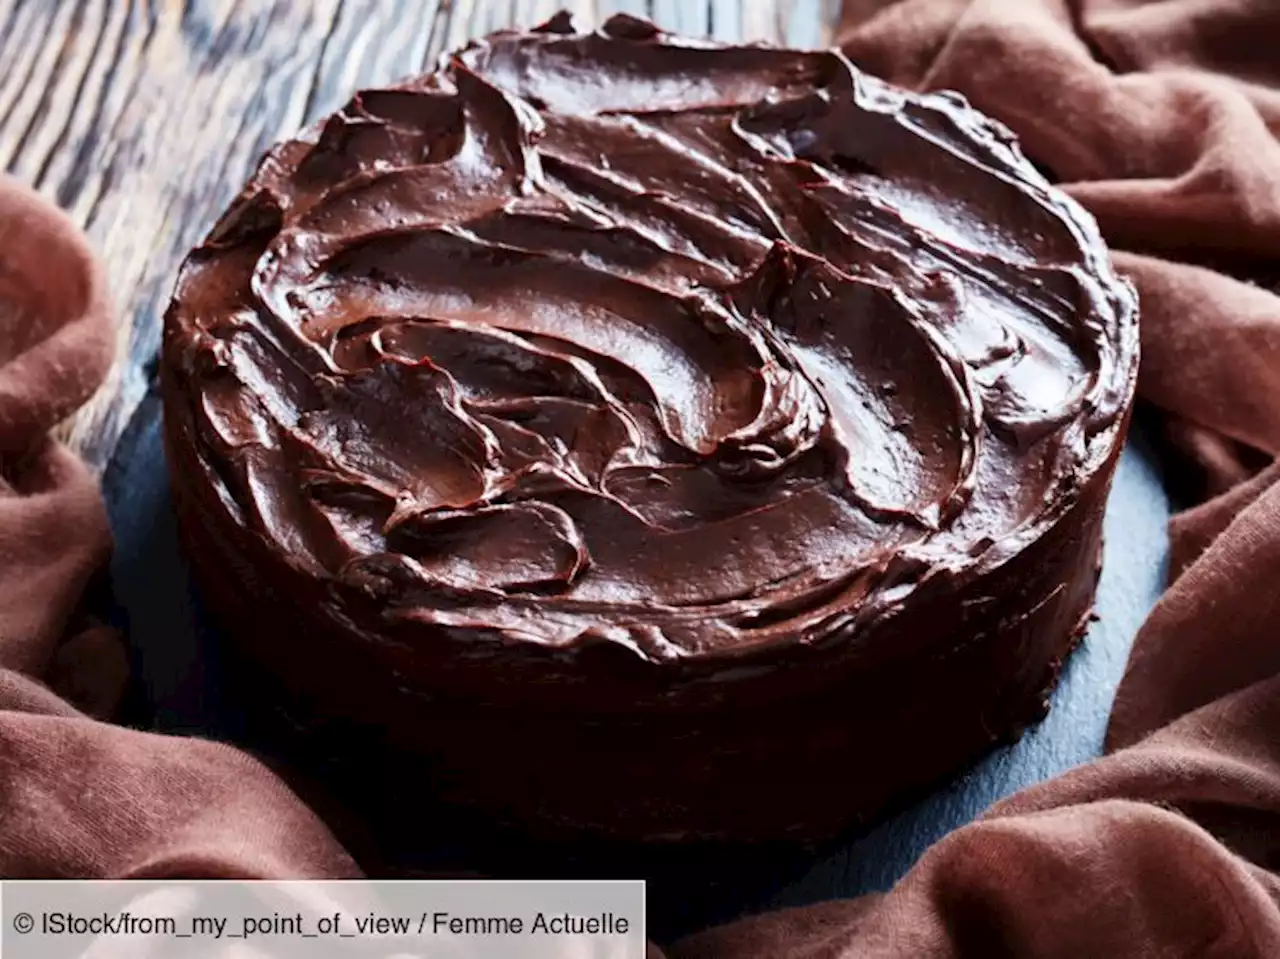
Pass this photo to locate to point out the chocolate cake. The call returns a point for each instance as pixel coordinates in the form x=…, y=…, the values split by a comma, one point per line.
x=647, y=438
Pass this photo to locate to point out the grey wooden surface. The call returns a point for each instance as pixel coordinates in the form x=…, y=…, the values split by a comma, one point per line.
x=144, y=117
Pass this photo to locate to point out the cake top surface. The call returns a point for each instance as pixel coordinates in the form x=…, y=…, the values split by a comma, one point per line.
x=618, y=337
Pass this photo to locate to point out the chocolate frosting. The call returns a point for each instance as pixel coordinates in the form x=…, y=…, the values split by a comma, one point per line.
x=696, y=351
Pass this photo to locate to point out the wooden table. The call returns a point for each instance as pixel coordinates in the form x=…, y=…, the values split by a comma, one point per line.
x=144, y=117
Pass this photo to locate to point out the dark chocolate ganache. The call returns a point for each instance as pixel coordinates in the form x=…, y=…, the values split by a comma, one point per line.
x=694, y=351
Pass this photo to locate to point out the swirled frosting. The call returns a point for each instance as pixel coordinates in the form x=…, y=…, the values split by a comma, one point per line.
x=615, y=337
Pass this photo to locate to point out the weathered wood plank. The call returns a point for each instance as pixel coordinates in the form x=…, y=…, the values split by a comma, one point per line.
x=143, y=117
x=680, y=16
x=364, y=50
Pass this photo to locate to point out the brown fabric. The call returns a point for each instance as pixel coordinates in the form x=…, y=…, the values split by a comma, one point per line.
x=79, y=797
x=1163, y=118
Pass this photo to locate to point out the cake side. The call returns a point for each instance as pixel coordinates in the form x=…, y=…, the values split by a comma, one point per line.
x=857, y=741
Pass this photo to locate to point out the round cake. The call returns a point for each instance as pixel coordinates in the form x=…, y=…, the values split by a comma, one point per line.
x=651, y=439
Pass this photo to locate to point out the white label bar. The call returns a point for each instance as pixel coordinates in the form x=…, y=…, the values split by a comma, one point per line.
x=475, y=919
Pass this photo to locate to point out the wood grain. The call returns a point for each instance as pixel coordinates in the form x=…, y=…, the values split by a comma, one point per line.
x=143, y=117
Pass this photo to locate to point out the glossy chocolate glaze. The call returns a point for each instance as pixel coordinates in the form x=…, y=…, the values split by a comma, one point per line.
x=611, y=373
